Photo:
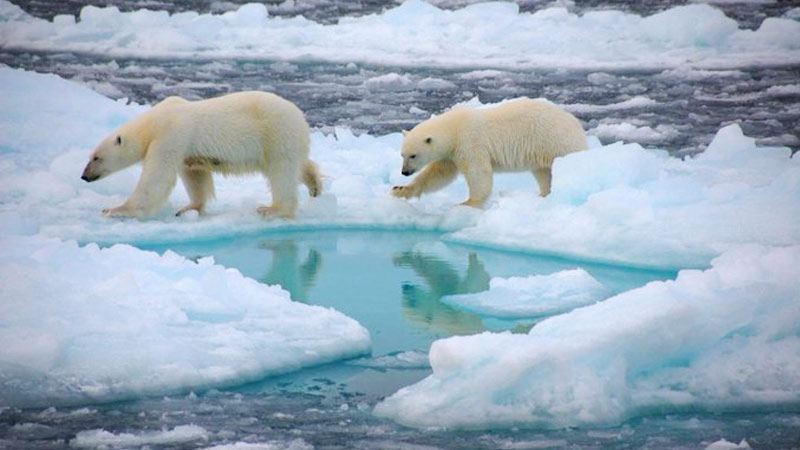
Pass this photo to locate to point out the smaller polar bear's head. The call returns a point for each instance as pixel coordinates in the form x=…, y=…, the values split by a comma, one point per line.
x=424, y=144
x=117, y=151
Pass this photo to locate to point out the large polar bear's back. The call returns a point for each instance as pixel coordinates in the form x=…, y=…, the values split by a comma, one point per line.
x=245, y=131
x=529, y=133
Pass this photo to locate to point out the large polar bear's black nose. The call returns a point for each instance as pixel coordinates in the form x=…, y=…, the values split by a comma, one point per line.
x=407, y=172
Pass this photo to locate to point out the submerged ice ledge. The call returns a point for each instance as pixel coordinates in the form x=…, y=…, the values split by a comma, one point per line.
x=415, y=33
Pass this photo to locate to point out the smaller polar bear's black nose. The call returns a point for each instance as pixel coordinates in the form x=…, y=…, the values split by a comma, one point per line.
x=88, y=178
x=407, y=172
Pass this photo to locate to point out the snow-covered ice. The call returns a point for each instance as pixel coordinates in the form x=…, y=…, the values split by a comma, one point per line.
x=84, y=324
x=491, y=34
x=721, y=339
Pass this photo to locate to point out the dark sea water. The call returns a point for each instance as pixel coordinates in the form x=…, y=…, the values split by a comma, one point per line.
x=330, y=407
x=688, y=110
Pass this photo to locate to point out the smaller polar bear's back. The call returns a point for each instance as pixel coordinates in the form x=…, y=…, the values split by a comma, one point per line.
x=221, y=131
x=527, y=133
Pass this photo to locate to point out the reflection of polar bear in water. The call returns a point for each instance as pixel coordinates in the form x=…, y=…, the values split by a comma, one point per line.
x=519, y=135
x=423, y=305
x=287, y=270
x=246, y=132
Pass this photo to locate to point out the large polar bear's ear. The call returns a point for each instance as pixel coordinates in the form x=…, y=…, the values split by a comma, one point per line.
x=405, y=132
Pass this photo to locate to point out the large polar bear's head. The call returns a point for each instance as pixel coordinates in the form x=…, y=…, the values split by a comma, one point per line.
x=431, y=140
x=120, y=149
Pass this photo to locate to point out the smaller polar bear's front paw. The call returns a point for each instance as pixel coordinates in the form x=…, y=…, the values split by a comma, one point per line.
x=403, y=192
x=191, y=207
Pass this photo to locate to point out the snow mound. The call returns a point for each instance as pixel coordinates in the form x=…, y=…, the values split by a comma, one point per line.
x=726, y=338
x=491, y=34
x=84, y=324
x=536, y=295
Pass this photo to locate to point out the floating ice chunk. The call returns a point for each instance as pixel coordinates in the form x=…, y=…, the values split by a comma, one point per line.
x=248, y=15
x=632, y=133
x=536, y=295
x=631, y=103
x=296, y=444
x=786, y=90
x=88, y=324
x=695, y=25
x=401, y=360
x=435, y=84
x=722, y=444
x=721, y=339
x=100, y=438
x=601, y=78
x=390, y=82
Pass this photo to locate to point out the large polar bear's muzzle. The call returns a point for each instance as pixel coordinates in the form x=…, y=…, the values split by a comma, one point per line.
x=89, y=174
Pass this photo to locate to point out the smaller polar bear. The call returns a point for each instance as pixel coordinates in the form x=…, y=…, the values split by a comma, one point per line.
x=521, y=134
x=245, y=132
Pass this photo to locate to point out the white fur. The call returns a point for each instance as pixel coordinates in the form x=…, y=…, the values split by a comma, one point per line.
x=245, y=132
x=518, y=135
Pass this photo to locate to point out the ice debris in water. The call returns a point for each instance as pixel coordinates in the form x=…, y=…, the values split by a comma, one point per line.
x=415, y=33
x=722, y=444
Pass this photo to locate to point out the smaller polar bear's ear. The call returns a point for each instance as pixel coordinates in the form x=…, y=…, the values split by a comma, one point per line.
x=428, y=140
x=405, y=132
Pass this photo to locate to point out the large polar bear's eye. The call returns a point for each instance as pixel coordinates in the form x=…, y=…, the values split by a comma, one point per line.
x=428, y=140
x=119, y=140
x=412, y=156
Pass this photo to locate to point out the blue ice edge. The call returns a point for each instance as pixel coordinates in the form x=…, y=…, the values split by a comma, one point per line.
x=447, y=236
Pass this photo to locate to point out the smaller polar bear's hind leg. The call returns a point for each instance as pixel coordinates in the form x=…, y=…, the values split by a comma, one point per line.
x=544, y=176
x=199, y=185
x=312, y=178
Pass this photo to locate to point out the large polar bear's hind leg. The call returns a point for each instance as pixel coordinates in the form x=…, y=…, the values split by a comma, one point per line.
x=283, y=187
x=159, y=175
x=437, y=175
x=544, y=176
x=199, y=185
x=312, y=178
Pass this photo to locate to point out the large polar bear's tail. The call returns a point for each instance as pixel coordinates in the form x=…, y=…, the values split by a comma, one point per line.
x=312, y=178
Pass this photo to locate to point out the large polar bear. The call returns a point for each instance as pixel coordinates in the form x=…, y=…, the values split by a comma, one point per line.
x=245, y=132
x=521, y=134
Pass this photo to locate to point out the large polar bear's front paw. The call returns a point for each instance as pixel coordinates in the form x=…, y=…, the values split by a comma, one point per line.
x=120, y=211
x=271, y=212
x=404, y=192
